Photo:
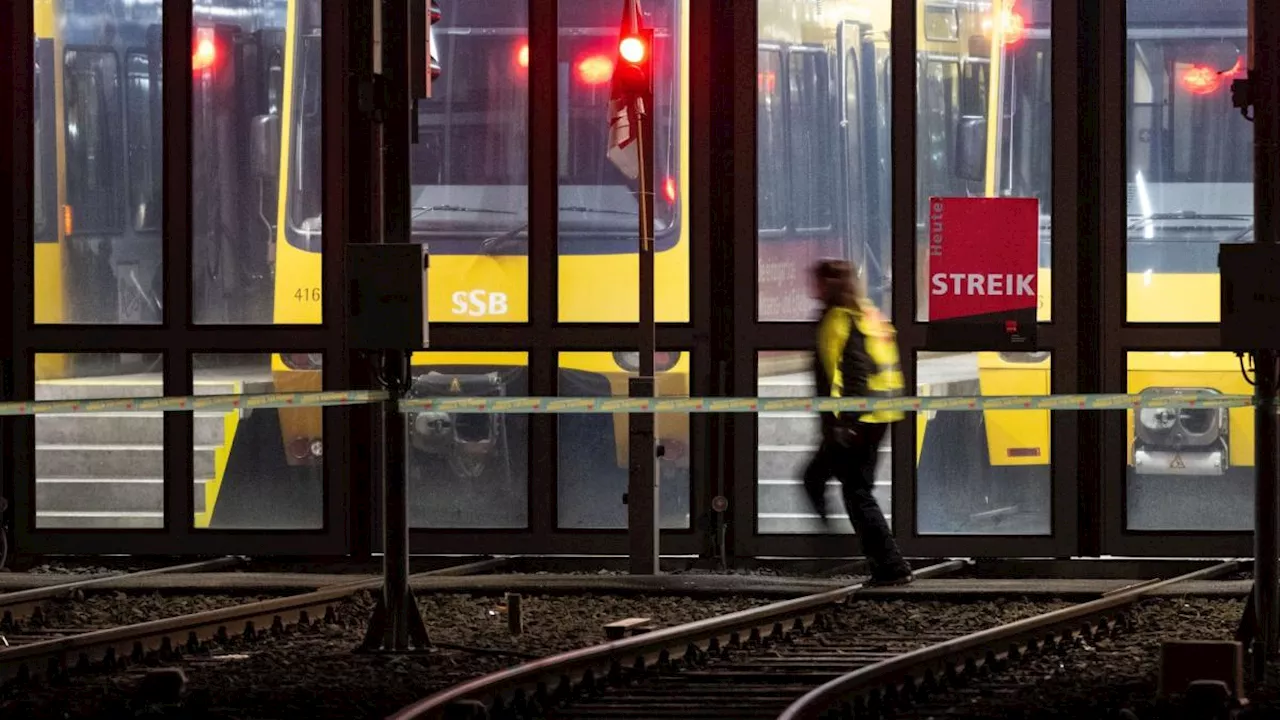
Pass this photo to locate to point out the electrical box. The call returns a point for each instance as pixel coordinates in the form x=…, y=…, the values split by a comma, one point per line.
x=1250, y=296
x=387, y=296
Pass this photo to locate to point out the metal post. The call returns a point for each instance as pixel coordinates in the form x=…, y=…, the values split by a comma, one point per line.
x=396, y=624
x=642, y=484
x=1265, y=90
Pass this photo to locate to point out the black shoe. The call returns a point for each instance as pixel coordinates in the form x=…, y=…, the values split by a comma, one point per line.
x=891, y=580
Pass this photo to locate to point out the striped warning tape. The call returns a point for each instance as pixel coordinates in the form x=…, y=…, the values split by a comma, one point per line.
x=609, y=405
x=540, y=405
x=194, y=402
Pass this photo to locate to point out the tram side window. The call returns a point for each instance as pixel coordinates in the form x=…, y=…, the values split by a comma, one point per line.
x=93, y=138
x=144, y=183
x=810, y=135
x=1181, y=128
x=306, y=200
x=771, y=136
x=939, y=111
x=41, y=117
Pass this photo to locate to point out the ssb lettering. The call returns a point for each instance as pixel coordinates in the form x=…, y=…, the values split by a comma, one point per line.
x=479, y=303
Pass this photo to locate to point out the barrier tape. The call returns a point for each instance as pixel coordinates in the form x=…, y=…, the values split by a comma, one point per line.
x=588, y=405
x=557, y=405
x=225, y=403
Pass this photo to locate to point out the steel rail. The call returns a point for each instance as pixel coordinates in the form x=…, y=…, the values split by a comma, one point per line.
x=19, y=605
x=51, y=656
x=985, y=647
x=585, y=663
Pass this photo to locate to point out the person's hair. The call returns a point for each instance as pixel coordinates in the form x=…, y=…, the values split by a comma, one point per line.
x=839, y=283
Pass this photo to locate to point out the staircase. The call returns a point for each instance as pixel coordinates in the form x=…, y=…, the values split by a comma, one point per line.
x=106, y=470
x=787, y=440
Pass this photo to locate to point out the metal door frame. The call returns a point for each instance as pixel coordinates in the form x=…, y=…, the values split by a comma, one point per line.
x=750, y=336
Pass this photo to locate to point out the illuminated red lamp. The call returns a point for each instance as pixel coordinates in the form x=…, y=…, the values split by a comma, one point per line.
x=595, y=69
x=669, y=190
x=766, y=82
x=205, y=53
x=1204, y=80
x=1015, y=28
x=522, y=56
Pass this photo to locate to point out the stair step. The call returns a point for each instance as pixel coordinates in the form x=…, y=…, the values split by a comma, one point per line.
x=789, y=461
x=113, y=461
x=788, y=496
x=117, y=495
x=99, y=520
x=138, y=386
x=121, y=429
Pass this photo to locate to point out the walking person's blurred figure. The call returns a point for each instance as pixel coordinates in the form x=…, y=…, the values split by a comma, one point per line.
x=855, y=355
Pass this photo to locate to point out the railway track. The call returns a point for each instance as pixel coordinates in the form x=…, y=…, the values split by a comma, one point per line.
x=34, y=653
x=806, y=658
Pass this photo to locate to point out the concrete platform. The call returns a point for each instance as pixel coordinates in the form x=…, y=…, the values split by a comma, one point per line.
x=692, y=584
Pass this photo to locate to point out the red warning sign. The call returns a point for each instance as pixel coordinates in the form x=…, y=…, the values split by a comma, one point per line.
x=983, y=266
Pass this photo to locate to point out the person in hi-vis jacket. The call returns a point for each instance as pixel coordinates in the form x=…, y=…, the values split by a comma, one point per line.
x=855, y=355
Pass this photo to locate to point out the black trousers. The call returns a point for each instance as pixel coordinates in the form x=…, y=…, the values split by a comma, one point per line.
x=854, y=464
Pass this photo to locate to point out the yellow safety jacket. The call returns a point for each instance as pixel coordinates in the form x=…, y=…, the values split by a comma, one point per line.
x=857, y=356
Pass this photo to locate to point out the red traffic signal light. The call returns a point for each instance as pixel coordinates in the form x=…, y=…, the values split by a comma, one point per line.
x=633, y=49
x=634, y=73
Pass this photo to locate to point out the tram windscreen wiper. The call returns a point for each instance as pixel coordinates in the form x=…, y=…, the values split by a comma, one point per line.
x=603, y=211
x=460, y=208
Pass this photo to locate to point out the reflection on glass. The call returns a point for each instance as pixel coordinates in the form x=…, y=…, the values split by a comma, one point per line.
x=823, y=153
x=599, y=267
x=787, y=441
x=252, y=470
x=983, y=472
x=469, y=167
x=97, y=255
x=961, y=153
x=594, y=452
x=1190, y=155
x=99, y=470
x=244, y=84
x=1189, y=469
x=468, y=470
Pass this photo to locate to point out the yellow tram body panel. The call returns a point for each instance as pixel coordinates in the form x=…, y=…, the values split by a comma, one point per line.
x=50, y=301
x=1218, y=371
x=495, y=289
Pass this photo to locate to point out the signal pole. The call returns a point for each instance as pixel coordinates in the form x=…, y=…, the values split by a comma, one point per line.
x=642, y=480
x=1264, y=82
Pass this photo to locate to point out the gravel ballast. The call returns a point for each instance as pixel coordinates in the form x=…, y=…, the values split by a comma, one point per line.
x=315, y=673
x=1093, y=680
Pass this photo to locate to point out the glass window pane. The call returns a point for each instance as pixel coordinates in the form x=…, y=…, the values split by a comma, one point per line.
x=255, y=118
x=960, y=152
x=1189, y=469
x=599, y=219
x=468, y=470
x=983, y=472
x=470, y=185
x=98, y=256
x=1190, y=155
x=593, y=448
x=99, y=470
x=787, y=441
x=823, y=149
x=257, y=469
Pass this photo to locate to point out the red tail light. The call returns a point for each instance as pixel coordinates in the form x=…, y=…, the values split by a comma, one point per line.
x=1015, y=28
x=522, y=55
x=205, y=53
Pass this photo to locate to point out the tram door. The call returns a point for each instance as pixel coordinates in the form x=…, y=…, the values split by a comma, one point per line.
x=851, y=143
